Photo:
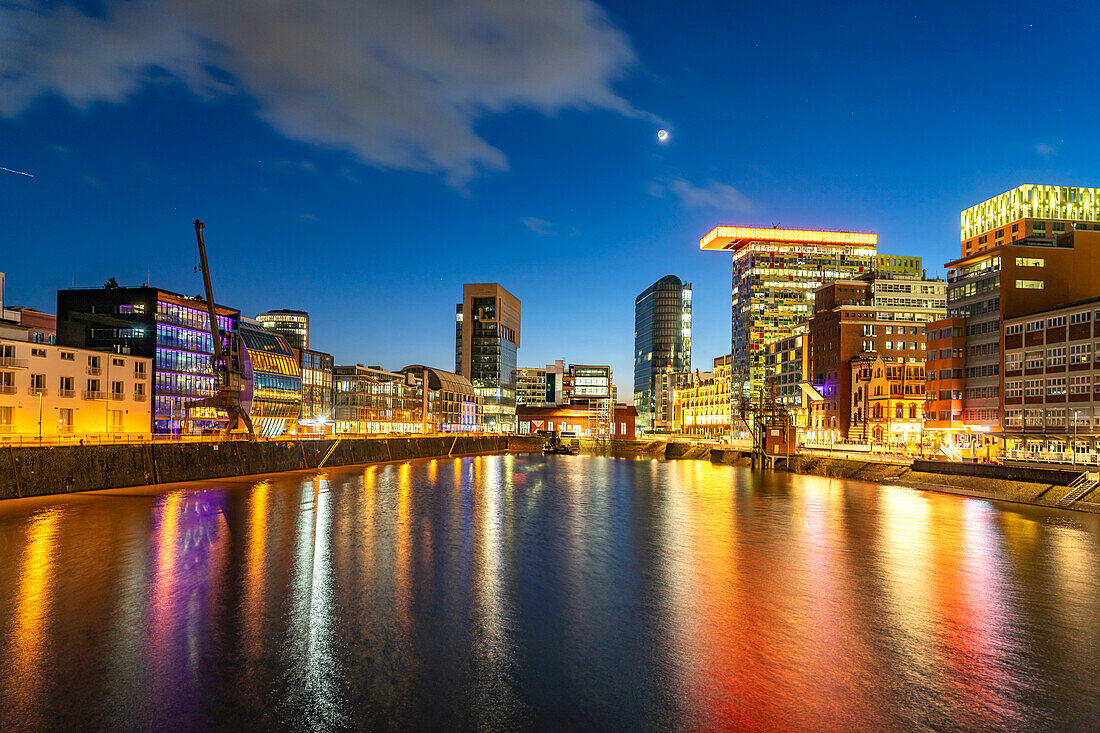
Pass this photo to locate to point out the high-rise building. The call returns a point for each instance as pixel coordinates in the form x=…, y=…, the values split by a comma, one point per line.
x=291, y=325
x=171, y=329
x=775, y=274
x=1033, y=212
x=1002, y=280
x=662, y=343
x=487, y=333
x=874, y=315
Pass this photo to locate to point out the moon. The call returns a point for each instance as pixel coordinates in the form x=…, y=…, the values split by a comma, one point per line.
x=662, y=135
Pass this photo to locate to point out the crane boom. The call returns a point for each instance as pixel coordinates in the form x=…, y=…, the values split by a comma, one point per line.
x=219, y=355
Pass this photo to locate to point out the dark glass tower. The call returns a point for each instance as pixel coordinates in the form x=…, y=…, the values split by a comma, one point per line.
x=662, y=343
x=487, y=327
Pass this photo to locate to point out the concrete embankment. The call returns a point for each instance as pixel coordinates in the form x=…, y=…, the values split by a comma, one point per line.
x=57, y=470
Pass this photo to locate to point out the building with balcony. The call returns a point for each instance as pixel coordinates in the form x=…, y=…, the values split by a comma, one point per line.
x=373, y=400
x=170, y=329
x=487, y=339
x=290, y=324
x=702, y=406
x=59, y=394
x=449, y=402
x=662, y=347
x=775, y=275
x=1051, y=372
x=945, y=383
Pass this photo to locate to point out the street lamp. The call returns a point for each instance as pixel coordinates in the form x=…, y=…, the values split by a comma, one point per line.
x=1074, y=451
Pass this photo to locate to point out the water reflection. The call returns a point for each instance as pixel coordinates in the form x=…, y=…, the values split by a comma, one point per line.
x=506, y=592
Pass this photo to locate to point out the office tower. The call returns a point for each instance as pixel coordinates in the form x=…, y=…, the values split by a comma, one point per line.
x=487, y=337
x=291, y=325
x=775, y=274
x=662, y=346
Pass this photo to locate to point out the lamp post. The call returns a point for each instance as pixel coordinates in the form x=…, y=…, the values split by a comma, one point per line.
x=1074, y=451
x=40, y=416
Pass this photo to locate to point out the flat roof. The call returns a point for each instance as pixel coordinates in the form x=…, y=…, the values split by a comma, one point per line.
x=733, y=238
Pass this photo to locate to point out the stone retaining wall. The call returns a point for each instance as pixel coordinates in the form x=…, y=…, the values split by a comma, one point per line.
x=62, y=469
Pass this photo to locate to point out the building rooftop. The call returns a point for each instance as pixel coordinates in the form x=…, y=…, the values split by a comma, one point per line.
x=734, y=237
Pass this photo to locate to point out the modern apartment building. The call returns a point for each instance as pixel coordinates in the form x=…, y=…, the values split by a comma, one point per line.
x=1031, y=211
x=1004, y=281
x=775, y=275
x=662, y=346
x=880, y=314
x=787, y=362
x=1051, y=371
x=57, y=393
x=290, y=324
x=170, y=329
x=487, y=337
x=702, y=406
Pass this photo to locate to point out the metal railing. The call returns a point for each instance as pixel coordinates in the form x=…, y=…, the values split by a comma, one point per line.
x=1066, y=458
x=118, y=396
x=95, y=371
x=12, y=363
x=141, y=375
x=139, y=397
x=89, y=395
x=37, y=391
x=7, y=389
x=66, y=393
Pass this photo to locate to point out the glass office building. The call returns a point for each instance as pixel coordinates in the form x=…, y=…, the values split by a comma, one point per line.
x=662, y=342
x=775, y=274
x=273, y=395
x=169, y=328
x=317, y=392
x=291, y=325
x=487, y=333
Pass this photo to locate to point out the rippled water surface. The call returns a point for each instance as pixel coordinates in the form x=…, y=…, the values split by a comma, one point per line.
x=506, y=592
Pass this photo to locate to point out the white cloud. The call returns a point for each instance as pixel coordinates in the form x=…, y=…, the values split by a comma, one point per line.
x=1044, y=149
x=713, y=195
x=399, y=84
x=538, y=226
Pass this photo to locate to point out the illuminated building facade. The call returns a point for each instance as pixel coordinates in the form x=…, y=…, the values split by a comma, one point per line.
x=317, y=415
x=273, y=392
x=170, y=329
x=877, y=314
x=372, y=400
x=577, y=419
x=787, y=362
x=1051, y=370
x=775, y=275
x=1002, y=282
x=702, y=406
x=1031, y=211
x=291, y=325
x=487, y=338
x=453, y=405
x=63, y=393
x=530, y=386
x=887, y=401
x=662, y=347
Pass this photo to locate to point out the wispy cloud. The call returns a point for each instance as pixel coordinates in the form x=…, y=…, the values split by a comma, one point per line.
x=712, y=195
x=1044, y=149
x=399, y=84
x=539, y=226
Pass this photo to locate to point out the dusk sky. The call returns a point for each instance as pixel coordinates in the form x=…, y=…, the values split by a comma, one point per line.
x=364, y=163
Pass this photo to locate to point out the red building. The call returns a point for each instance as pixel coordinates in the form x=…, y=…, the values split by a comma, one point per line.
x=584, y=420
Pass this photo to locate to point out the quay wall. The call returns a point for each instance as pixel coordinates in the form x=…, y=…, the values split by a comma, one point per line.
x=37, y=471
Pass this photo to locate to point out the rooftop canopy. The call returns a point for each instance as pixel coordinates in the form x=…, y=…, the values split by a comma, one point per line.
x=733, y=238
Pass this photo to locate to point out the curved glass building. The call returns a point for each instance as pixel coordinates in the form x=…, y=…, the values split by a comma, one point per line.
x=662, y=345
x=273, y=396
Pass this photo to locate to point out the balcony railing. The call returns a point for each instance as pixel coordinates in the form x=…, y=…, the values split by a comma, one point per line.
x=118, y=396
x=95, y=371
x=12, y=363
x=7, y=429
x=140, y=375
x=94, y=395
x=38, y=391
x=66, y=393
x=7, y=389
x=139, y=397
x=64, y=429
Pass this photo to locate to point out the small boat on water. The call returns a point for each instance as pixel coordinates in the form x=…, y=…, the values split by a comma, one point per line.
x=554, y=447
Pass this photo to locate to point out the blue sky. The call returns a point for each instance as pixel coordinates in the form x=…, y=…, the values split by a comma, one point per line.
x=364, y=163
